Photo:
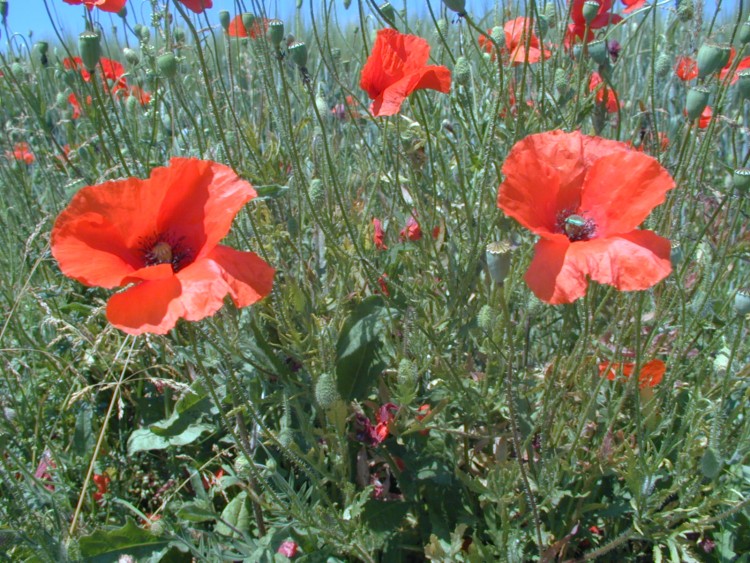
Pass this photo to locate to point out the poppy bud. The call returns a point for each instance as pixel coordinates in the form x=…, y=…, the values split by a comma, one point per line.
x=697, y=100
x=347, y=3
x=598, y=51
x=224, y=19
x=317, y=191
x=744, y=82
x=90, y=49
x=145, y=34
x=741, y=180
x=137, y=29
x=663, y=65
x=458, y=6
x=298, y=53
x=744, y=34
x=248, y=20
x=685, y=10
x=275, y=32
x=462, y=71
x=486, y=318
x=326, y=392
x=131, y=56
x=17, y=69
x=167, y=65
x=711, y=58
x=387, y=11
x=157, y=528
x=550, y=14
x=498, y=35
x=590, y=10
x=179, y=35
x=498, y=261
x=742, y=302
x=41, y=49
x=4, y=10
x=442, y=26
x=407, y=373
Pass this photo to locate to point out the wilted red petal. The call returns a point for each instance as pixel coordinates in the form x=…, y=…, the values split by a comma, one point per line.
x=620, y=190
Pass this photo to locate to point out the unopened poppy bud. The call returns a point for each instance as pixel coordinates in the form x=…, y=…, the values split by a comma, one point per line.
x=407, y=373
x=347, y=3
x=550, y=14
x=486, y=318
x=462, y=71
x=744, y=33
x=442, y=26
x=123, y=13
x=90, y=49
x=662, y=65
x=4, y=10
x=42, y=48
x=711, y=58
x=17, y=69
x=743, y=83
x=697, y=100
x=741, y=180
x=458, y=6
x=157, y=528
x=388, y=12
x=598, y=51
x=145, y=34
x=498, y=260
x=590, y=10
x=275, y=32
x=326, y=392
x=248, y=20
x=137, y=29
x=179, y=35
x=132, y=104
x=167, y=65
x=742, y=302
x=224, y=19
x=317, y=191
x=131, y=56
x=498, y=35
x=298, y=53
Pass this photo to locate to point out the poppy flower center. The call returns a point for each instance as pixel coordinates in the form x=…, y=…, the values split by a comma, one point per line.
x=165, y=249
x=574, y=226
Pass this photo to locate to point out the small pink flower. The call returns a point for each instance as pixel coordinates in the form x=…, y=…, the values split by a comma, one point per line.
x=288, y=549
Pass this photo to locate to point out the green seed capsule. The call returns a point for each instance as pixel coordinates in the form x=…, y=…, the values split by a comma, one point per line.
x=90, y=48
x=458, y=6
x=744, y=34
x=742, y=302
x=712, y=58
x=741, y=180
x=744, y=82
x=225, y=19
x=598, y=51
x=275, y=32
x=298, y=53
x=167, y=65
x=697, y=100
x=590, y=10
x=498, y=260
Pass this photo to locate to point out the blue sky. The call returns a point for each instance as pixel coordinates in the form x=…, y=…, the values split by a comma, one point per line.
x=31, y=15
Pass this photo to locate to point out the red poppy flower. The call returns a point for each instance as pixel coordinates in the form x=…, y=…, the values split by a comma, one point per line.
x=633, y=5
x=397, y=66
x=577, y=29
x=651, y=372
x=743, y=64
x=604, y=94
x=113, y=73
x=113, y=6
x=198, y=6
x=585, y=196
x=686, y=68
x=705, y=117
x=102, y=486
x=22, y=153
x=379, y=235
x=237, y=28
x=162, y=235
x=516, y=36
x=485, y=44
x=412, y=231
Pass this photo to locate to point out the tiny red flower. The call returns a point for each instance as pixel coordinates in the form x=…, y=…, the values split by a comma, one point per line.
x=237, y=28
x=288, y=549
x=651, y=372
x=633, y=5
x=379, y=235
x=517, y=33
x=102, y=486
x=423, y=411
x=112, y=6
x=22, y=153
x=383, y=283
x=577, y=29
x=686, y=68
x=397, y=66
x=161, y=235
x=198, y=6
x=585, y=197
x=412, y=231
x=604, y=94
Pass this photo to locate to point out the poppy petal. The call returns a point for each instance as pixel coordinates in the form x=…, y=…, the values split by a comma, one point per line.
x=198, y=6
x=434, y=78
x=203, y=289
x=248, y=277
x=151, y=306
x=550, y=277
x=201, y=201
x=620, y=190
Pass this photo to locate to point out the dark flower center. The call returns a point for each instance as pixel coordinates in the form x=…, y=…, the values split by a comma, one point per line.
x=574, y=226
x=165, y=249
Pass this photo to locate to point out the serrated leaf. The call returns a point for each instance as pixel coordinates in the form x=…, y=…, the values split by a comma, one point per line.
x=104, y=546
x=359, y=350
x=235, y=518
x=143, y=439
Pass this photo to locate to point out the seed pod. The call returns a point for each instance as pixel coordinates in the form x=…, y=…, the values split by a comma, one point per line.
x=458, y=6
x=744, y=82
x=167, y=65
x=590, y=10
x=712, y=58
x=744, y=33
x=225, y=19
x=598, y=52
x=298, y=53
x=90, y=48
x=498, y=261
x=179, y=34
x=697, y=100
x=131, y=56
x=275, y=32
x=742, y=302
x=741, y=180
x=123, y=13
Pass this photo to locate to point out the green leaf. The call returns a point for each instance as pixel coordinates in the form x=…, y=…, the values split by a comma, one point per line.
x=271, y=191
x=383, y=517
x=84, y=439
x=235, y=517
x=359, y=350
x=188, y=410
x=199, y=511
x=104, y=546
x=144, y=439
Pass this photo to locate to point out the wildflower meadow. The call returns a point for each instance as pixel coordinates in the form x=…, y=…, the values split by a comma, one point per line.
x=344, y=280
